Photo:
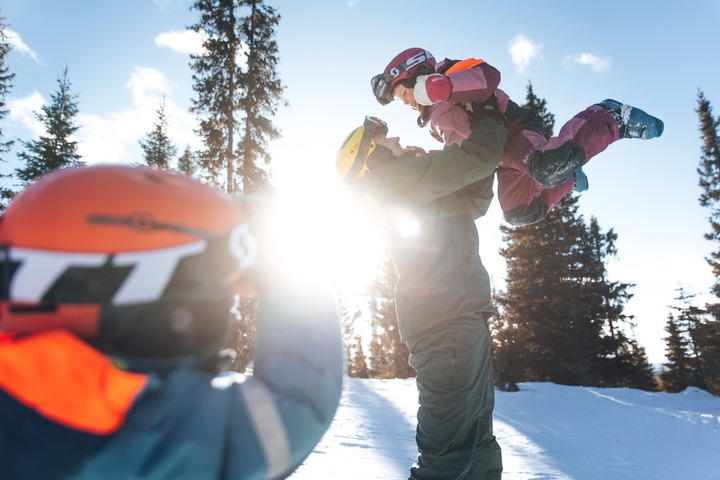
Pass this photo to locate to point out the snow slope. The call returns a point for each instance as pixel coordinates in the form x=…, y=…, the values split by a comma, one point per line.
x=546, y=431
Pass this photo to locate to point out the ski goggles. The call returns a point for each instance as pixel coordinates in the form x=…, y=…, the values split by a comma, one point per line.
x=371, y=125
x=382, y=88
x=382, y=84
x=376, y=125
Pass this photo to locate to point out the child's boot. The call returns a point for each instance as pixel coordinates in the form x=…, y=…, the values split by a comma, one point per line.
x=633, y=122
x=581, y=181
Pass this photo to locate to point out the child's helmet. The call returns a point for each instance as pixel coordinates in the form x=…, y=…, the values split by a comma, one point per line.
x=407, y=65
x=351, y=160
x=138, y=261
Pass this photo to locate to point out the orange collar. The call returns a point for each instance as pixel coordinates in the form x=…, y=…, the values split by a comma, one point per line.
x=64, y=379
x=464, y=64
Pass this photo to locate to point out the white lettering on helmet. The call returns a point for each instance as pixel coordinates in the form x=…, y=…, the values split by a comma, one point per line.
x=419, y=58
x=409, y=63
x=39, y=269
x=243, y=246
x=152, y=271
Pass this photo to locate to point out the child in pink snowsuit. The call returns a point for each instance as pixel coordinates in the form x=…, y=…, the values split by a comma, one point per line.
x=535, y=173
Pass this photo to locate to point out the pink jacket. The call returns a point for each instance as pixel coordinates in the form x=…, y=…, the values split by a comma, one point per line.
x=449, y=121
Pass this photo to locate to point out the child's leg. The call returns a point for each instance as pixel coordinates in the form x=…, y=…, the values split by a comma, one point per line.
x=522, y=200
x=580, y=139
x=520, y=197
x=552, y=196
x=518, y=193
x=593, y=129
x=587, y=134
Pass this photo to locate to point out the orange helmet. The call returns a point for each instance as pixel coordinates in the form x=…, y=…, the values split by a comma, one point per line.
x=134, y=259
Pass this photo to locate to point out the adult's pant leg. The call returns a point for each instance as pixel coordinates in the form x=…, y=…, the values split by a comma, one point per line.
x=455, y=386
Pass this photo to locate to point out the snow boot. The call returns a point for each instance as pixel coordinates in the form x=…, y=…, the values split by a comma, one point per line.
x=633, y=122
x=581, y=181
x=551, y=168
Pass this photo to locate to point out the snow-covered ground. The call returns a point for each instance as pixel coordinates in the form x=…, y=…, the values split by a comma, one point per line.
x=546, y=432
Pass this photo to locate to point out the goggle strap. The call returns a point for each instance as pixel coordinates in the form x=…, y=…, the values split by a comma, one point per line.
x=362, y=152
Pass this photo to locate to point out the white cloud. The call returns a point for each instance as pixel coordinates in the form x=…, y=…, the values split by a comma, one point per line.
x=190, y=42
x=147, y=85
x=181, y=41
x=523, y=51
x=22, y=113
x=599, y=64
x=113, y=138
x=18, y=44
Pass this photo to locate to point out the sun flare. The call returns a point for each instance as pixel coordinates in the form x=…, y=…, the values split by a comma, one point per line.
x=323, y=237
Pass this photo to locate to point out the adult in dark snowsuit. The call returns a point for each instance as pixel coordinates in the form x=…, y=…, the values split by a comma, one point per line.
x=443, y=294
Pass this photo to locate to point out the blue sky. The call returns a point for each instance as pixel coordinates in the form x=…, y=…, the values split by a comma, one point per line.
x=122, y=57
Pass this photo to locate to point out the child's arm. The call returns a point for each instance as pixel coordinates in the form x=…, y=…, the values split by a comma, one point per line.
x=475, y=84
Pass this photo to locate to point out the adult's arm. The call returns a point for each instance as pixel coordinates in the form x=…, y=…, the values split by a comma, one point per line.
x=415, y=180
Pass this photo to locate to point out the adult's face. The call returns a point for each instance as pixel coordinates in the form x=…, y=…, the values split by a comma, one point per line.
x=392, y=143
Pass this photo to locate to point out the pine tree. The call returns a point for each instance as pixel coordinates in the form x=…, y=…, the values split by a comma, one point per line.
x=231, y=99
x=543, y=308
x=241, y=334
x=675, y=376
x=708, y=331
x=622, y=362
x=6, y=78
x=709, y=172
x=561, y=319
x=539, y=106
x=263, y=94
x=186, y=163
x=707, y=336
x=641, y=374
x=55, y=149
x=388, y=354
x=357, y=361
x=215, y=78
x=158, y=148
x=692, y=347
x=357, y=364
x=689, y=317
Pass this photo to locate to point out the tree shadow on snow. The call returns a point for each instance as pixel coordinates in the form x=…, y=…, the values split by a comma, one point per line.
x=385, y=427
x=371, y=436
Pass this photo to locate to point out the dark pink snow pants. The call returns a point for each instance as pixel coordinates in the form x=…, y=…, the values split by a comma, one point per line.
x=522, y=199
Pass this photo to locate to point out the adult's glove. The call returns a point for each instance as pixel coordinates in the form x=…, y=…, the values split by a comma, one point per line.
x=431, y=89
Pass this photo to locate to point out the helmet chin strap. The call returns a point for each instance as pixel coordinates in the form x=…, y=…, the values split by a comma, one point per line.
x=424, y=117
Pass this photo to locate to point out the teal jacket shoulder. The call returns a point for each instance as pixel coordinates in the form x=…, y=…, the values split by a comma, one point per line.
x=182, y=423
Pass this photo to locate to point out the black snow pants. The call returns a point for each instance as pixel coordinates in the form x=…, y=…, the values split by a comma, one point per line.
x=455, y=385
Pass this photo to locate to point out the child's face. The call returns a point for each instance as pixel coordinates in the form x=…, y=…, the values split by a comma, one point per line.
x=405, y=95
